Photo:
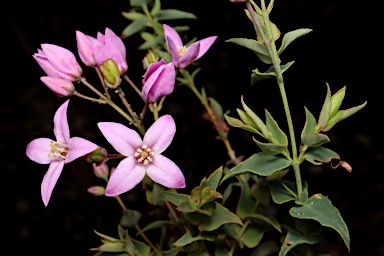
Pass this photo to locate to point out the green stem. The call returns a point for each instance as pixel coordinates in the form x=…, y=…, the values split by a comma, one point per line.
x=101, y=77
x=132, y=84
x=75, y=93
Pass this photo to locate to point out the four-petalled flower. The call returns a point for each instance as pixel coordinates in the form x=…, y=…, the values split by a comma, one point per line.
x=143, y=156
x=181, y=55
x=58, y=152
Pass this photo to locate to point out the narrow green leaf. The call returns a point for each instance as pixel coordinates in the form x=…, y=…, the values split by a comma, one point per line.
x=320, y=155
x=130, y=218
x=246, y=202
x=320, y=208
x=292, y=239
x=291, y=36
x=105, y=237
x=220, y=216
x=172, y=14
x=216, y=107
x=156, y=7
x=135, y=27
x=239, y=124
x=214, y=179
x=175, y=197
x=259, y=163
x=164, y=55
x=155, y=225
x=255, y=118
x=228, y=191
x=326, y=110
x=310, y=123
x=246, y=118
x=132, y=15
x=270, y=148
x=138, y=3
x=257, y=75
x=315, y=139
x=250, y=44
x=278, y=135
x=187, y=239
x=343, y=114
x=336, y=101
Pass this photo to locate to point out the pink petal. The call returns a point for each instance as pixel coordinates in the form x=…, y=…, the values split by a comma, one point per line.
x=165, y=172
x=150, y=81
x=61, y=129
x=84, y=48
x=172, y=35
x=205, y=44
x=164, y=84
x=122, y=138
x=152, y=68
x=79, y=147
x=125, y=177
x=50, y=179
x=99, y=51
x=160, y=134
x=38, y=150
x=190, y=55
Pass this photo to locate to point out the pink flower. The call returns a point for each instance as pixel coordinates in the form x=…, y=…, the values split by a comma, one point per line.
x=57, y=153
x=158, y=81
x=61, y=87
x=58, y=62
x=94, y=51
x=180, y=54
x=143, y=156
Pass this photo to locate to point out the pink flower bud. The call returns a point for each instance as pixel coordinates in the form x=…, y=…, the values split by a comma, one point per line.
x=101, y=171
x=84, y=47
x=96, y=190
x=61, y=87
x=58, y=62
x=158, y=81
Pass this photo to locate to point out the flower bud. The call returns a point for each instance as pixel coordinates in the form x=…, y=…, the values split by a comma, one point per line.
x=84, y=48
x=96, y=190
x=158, y=81
x=101, y=171
x=149, y=59
x=97, y=156
x=61, y=87
x=111, y=73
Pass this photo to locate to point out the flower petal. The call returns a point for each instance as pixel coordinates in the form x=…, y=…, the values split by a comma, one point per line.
x=190, y=55
x=79, y=147
x=50, y=179
x=205, y=44
x=160, y=134
x=61, y=129
x=125, y=177
x=38, y=150
x=165, y=172
x=122, y=138
x=174, y=42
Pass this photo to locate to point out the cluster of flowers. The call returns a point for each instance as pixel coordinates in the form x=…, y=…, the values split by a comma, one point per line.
x=143, y=156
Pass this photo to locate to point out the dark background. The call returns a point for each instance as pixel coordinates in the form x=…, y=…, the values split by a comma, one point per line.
x=343, y=49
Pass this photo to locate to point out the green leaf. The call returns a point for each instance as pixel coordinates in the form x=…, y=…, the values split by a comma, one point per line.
x=343, y=114
x=320, y=208
x=270, y=148
x=310, y=123
x=152, y=44
x=156, y=7
x=239, y=124
x=259, y=163
x=283, y=191
x=336, y=101
x=138, y=3
x=220, y=248
x=261, y=126
x=155, y=225
x=164, y=55
x=251, y=44
x=325, y=110
x=175, y=197
x=220, y=216
x=315, y=139
x=261, y=193
x=132, y=15
x=292, y=239
x=214, y=179
x=228, y=191
x=246, y=202
x=172, y=14
x=246, y=118
x=141, y=249
x=291, y=36
x=270, y=220
x=251, y=236
x=135, y=27
x=320, y=155
x=187, y=239
x=257, y=75
x=308, y=227
x=130, y=218
x=277, y=134
x=105, y=237
x=265, y=249
x=216, y=107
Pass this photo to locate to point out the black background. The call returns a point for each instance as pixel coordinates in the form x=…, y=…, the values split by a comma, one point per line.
x=343, y=49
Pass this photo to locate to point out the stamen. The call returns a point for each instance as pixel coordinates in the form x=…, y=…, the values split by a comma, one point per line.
x=144, y=155
x=59, y=150
x=181, y=51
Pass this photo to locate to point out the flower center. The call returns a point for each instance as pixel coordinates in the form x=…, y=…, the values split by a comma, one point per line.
x=181, y=51
x=59, y=150
x=144, y=155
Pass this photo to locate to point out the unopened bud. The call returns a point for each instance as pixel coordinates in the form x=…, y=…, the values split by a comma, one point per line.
x=97, y=156
x=149, y=59
x=96, y=190
x=111, y=73
x=101, y=171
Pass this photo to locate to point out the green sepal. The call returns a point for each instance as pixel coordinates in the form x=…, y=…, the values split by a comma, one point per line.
x=310, y=124
x=320, y=208
x=291, y=36
x=259, y=163
x=293, y=239
x=173, y=14
x=187, y=239
x=257, y=75
x=320, y=155
x=135, y=26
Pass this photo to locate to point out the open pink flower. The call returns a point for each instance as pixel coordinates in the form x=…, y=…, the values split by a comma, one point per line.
x=143, y=156
x=57, y=153
x=180, y=54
